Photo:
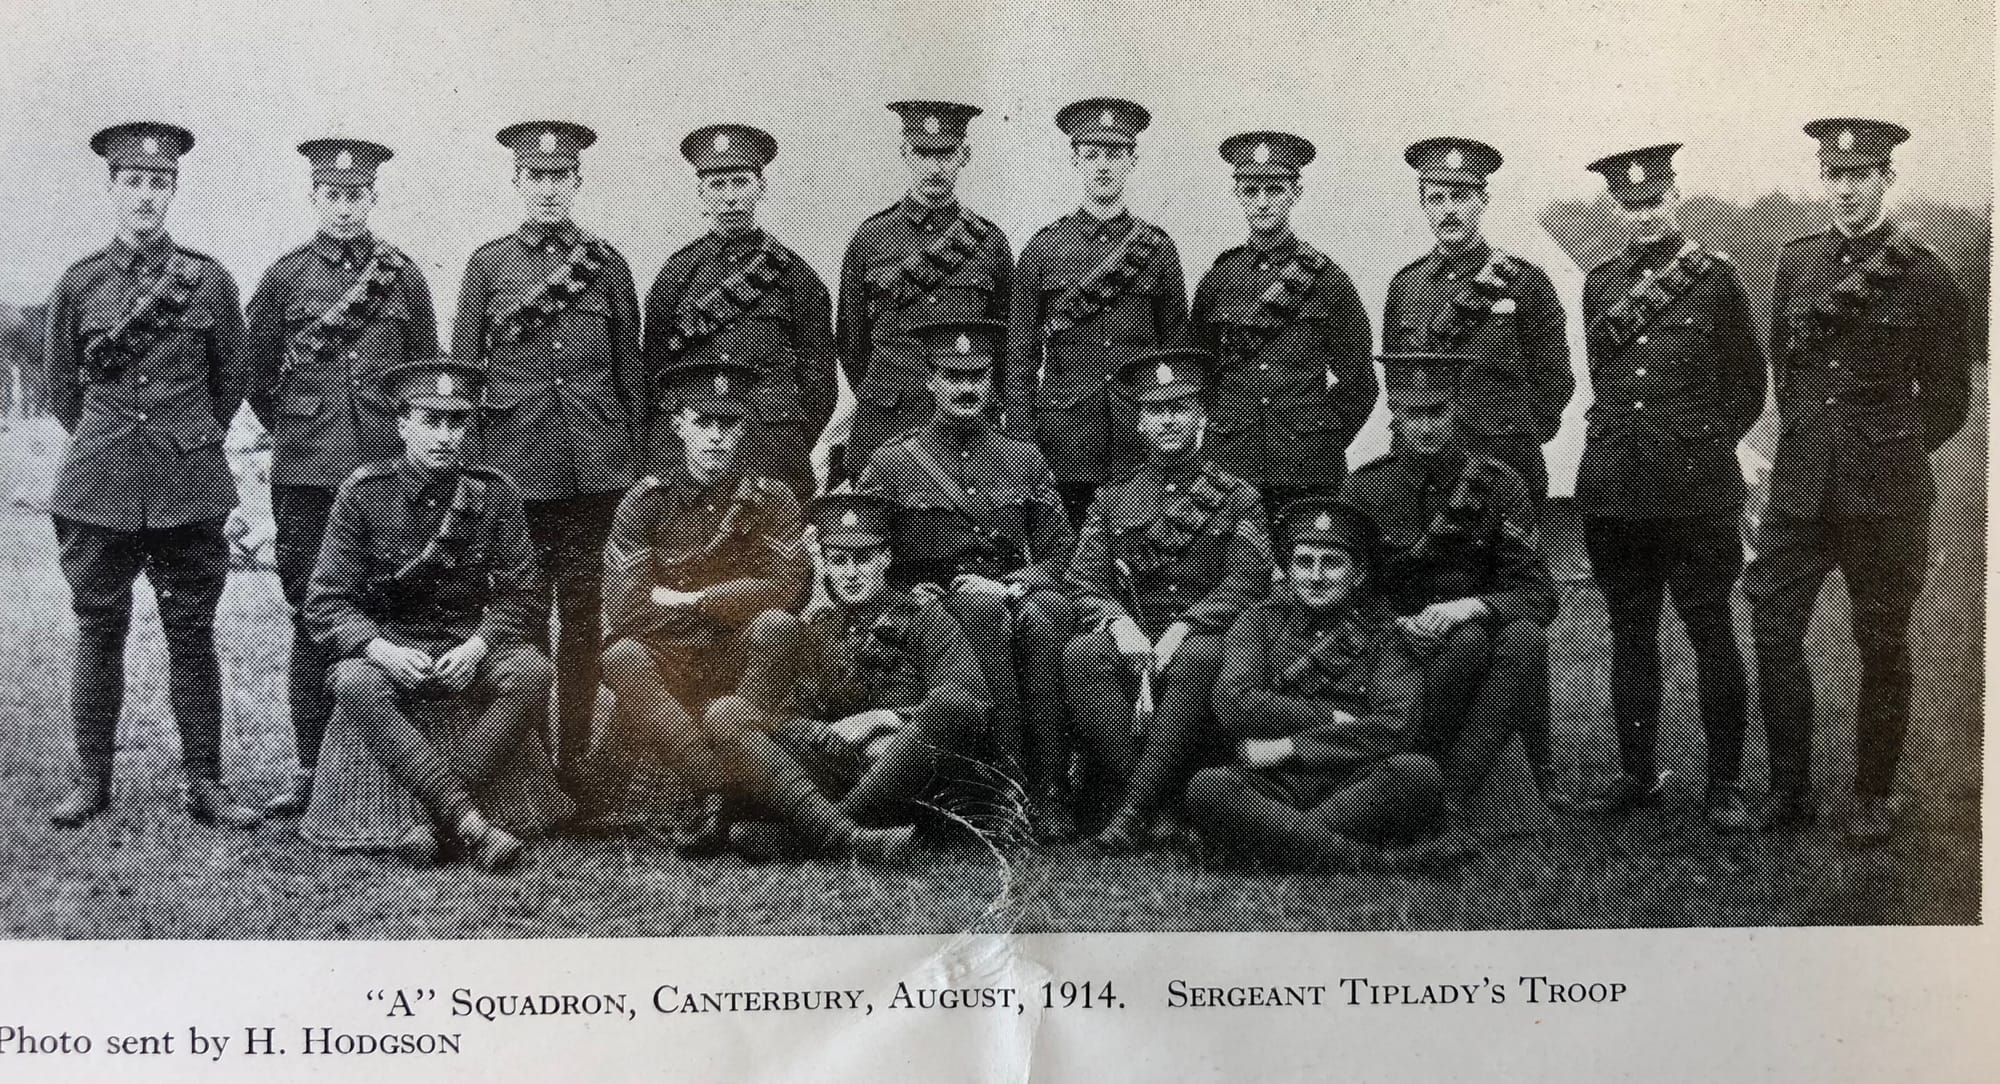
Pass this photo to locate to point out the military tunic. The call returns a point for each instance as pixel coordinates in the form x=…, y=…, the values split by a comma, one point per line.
x=786, y=330
x=1863, y=398
x=1295, y=379
x=1511, y=318
x=1057, y=379
x=891, y=279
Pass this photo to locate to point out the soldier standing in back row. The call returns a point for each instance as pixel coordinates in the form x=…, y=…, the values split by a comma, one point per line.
x=144, y=367
x=1296, y=357
x=1470, y=299
x=550, y=312
x=329, y=318
x=1679, y=378
x=1868, y=343
x=1094, y=289
x=926, y=259
x=737, y=296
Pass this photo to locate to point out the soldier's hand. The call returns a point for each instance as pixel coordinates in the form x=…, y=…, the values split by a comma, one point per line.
x=1131, y=641
x=1169, y=644
x=1446, y=616
x=406, y=666
x=667, y=596
x=455, y=667
x=929, y=592
x=1418, y=633
x=1267, y=753
x=858, y=730
x=978, y=585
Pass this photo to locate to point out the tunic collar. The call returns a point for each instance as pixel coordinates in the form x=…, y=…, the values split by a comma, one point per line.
x=535, y=234
x=1644, y=253
x=1463, y=262
x=918, y=212
x=150, y=254
x=355, y=252
x=419, y=479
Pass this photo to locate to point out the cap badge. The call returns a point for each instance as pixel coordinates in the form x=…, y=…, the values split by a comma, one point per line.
x=1164, y=374
x=849, y=519
x=722, y=384
x=1106, y=119
x=1846, y=139
x=1454, y=159
x=931, y=125
x=1262, y=155
x=445, y=385
x=150, y=145
x=1323, y=523
x=965, y=344
x=1635, y=173
x=548, y=142
x=721, y=142
x=344, y=160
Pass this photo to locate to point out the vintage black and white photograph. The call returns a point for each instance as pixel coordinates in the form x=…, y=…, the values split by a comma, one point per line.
x=626, y=469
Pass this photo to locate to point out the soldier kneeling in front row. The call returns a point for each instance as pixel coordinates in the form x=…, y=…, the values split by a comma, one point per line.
x=422, y=594
x=1323, y=696
x=885, y=712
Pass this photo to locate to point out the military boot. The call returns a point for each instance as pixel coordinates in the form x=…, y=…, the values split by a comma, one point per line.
x=492, y=849
x=1726, y=812
x=1789, y=809
x=1126, y=831
x=1626, y=794
x=419, y=846
x=209, y=802
x=292, y=803
x=706, y=832
x=833, y=831
x=88, y=796
x=1050, y=817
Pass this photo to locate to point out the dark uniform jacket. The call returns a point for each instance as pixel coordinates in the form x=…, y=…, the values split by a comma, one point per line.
x=564, y=407
x=1297, y=375
x=1672, y=399
x=1456, y=528
x=146, y=430
x=1885, y=383
x=786, y=331
x=882, y=294
x=738, y=540
x=973, y=501
x=1152, y=552
x=1512, y=317
x=1286, y=670
x=894, y=654
x=1057, y=383
x=325, y=411
x=421, y=557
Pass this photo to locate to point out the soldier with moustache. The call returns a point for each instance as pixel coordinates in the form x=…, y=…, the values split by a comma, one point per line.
x=926, y=259
x=551, y=313
x=422, y=594
x=1296, y=373
x=1323, y=698
x=1093, y=289
x=738, y=296
x=328, y=319
x=1679, y=378
x=144, y=367
x=1470, y=594
x=853, y=719
x=701, y=559
x=981, y=530
x=1869, y=347
x=1468, y=298
x=1168, y=556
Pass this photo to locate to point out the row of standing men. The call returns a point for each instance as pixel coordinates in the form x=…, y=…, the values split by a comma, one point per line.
x=148, y=357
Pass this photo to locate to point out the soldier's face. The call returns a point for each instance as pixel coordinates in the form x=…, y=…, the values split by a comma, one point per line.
x=1322, y=576
x=433, y=438
x=547, y=193
x=343, y=208
x=1423, y=428
x=1267, y=202
x=729, y=197
x=1172, y=427
x=1103, y=168
x=142, y=197
x=1651, y=219
x=711, y=441
x=934, y=174
x=1857, y=194
x=962, y=394
x=1453, y=210
x=854, y=577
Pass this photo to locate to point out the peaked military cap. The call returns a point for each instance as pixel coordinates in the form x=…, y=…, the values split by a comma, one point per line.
x=719, y=147
x=852, y=520
x=145, y=144
x=935, y=126
x=1639, y=176
x=1328, y=521
x=1112, y=121
x=966, y=346
x=1421, y=379
x=1453, y=160
x=546, y=144
x=717, y=388
x=1268, y=154
x=434, y=383
x=350, y=162
x=1162, y=376
x=1852, y=142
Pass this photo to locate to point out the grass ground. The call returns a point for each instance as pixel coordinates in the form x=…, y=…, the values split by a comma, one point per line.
x=145, y=871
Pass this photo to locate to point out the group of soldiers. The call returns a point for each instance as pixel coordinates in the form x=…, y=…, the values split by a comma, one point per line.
x=1090, y=552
